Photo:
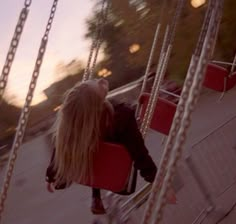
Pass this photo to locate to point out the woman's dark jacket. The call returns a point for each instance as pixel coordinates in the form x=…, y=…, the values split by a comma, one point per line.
x=125, y=131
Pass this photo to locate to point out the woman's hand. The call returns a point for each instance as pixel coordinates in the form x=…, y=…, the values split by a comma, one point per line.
x=50, y=187
x=171, y=196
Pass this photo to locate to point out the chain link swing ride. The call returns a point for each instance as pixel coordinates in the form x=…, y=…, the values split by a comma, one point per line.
x=182, y=117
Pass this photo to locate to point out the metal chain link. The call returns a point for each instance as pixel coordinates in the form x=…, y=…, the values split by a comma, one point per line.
x=185, y=124
x=146, y=112
x=27, y=3
x=204, y=28
x=167, y=46
x=154, y=43
x=153, y=97
x=233, y=66
x=168, y=39
x=160, y=18
x=184, y=127
x=175, y=21
x=13, y=47
x=149, y=110
x=150, y=107
x=173, y=132
x=93, y=46
x=217, y=30
x=158, y=78
x=25, y=111
x=161, y=70
x=97, y=48
x=157, y=90
x=156, y=85
x=100, y=38
x=170, y=171
x=166, y=153
x=86, y=71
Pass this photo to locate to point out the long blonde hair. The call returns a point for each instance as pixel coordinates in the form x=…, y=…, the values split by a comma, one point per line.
x=77, y=133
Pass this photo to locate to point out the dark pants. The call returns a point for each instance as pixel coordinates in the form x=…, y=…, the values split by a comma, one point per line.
x=96, y=193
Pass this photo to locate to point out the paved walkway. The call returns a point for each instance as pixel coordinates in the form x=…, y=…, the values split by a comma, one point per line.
x=214, y=157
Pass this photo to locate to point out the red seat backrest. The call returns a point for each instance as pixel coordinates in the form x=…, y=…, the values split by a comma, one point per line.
x=111, y=168
x=163, y=113
x=216, y=76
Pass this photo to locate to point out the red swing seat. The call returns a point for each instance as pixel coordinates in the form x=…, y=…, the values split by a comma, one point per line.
x=217, y=78
x=163, y=113
x=111, y=168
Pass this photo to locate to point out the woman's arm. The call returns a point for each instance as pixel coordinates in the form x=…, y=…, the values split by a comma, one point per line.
x=132, y=139
x=50, y=176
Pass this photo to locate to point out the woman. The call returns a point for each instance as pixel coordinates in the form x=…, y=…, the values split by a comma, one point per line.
x=85, y=118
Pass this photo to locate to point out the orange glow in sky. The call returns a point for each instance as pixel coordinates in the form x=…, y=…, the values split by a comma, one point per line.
x=66, y=42
x=197, y=3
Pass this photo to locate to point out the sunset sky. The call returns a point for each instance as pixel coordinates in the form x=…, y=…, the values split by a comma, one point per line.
x=66, y=42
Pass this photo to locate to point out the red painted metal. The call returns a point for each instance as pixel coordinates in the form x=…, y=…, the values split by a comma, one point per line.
x=163, y=113
x=111, y=168
x=218, y=78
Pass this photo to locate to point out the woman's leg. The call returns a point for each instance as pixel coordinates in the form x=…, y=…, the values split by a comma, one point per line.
x=97, y=205
x=96, y=193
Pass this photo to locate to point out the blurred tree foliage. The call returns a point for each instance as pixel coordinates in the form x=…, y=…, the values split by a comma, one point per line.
x=9, y=117
x=134, y=22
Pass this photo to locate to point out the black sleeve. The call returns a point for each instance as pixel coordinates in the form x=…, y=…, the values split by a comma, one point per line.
x=134, y=143
x=50, y=174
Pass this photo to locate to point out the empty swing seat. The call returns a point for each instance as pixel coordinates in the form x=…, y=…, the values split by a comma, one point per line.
x=111, y=168
x=163, y=113
x=217, y=78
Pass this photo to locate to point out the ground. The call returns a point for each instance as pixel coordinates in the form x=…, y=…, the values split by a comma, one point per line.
x=210, y=148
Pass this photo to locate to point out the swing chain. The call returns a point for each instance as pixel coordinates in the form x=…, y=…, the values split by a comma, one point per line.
x=157, y=90
x=156, y=85
x=178, y=148
x=13, y=47
x=162, y=65
x=173, y=132
x=194, y=94
x=174, y=24
x=25, y=112
x=161, y=68
x=86, y=71
x=204, y=28
x=94, y=45
x=28, y=3
x=50, y=20
x=145, y=78
x=100, y=38
x=152, y=52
